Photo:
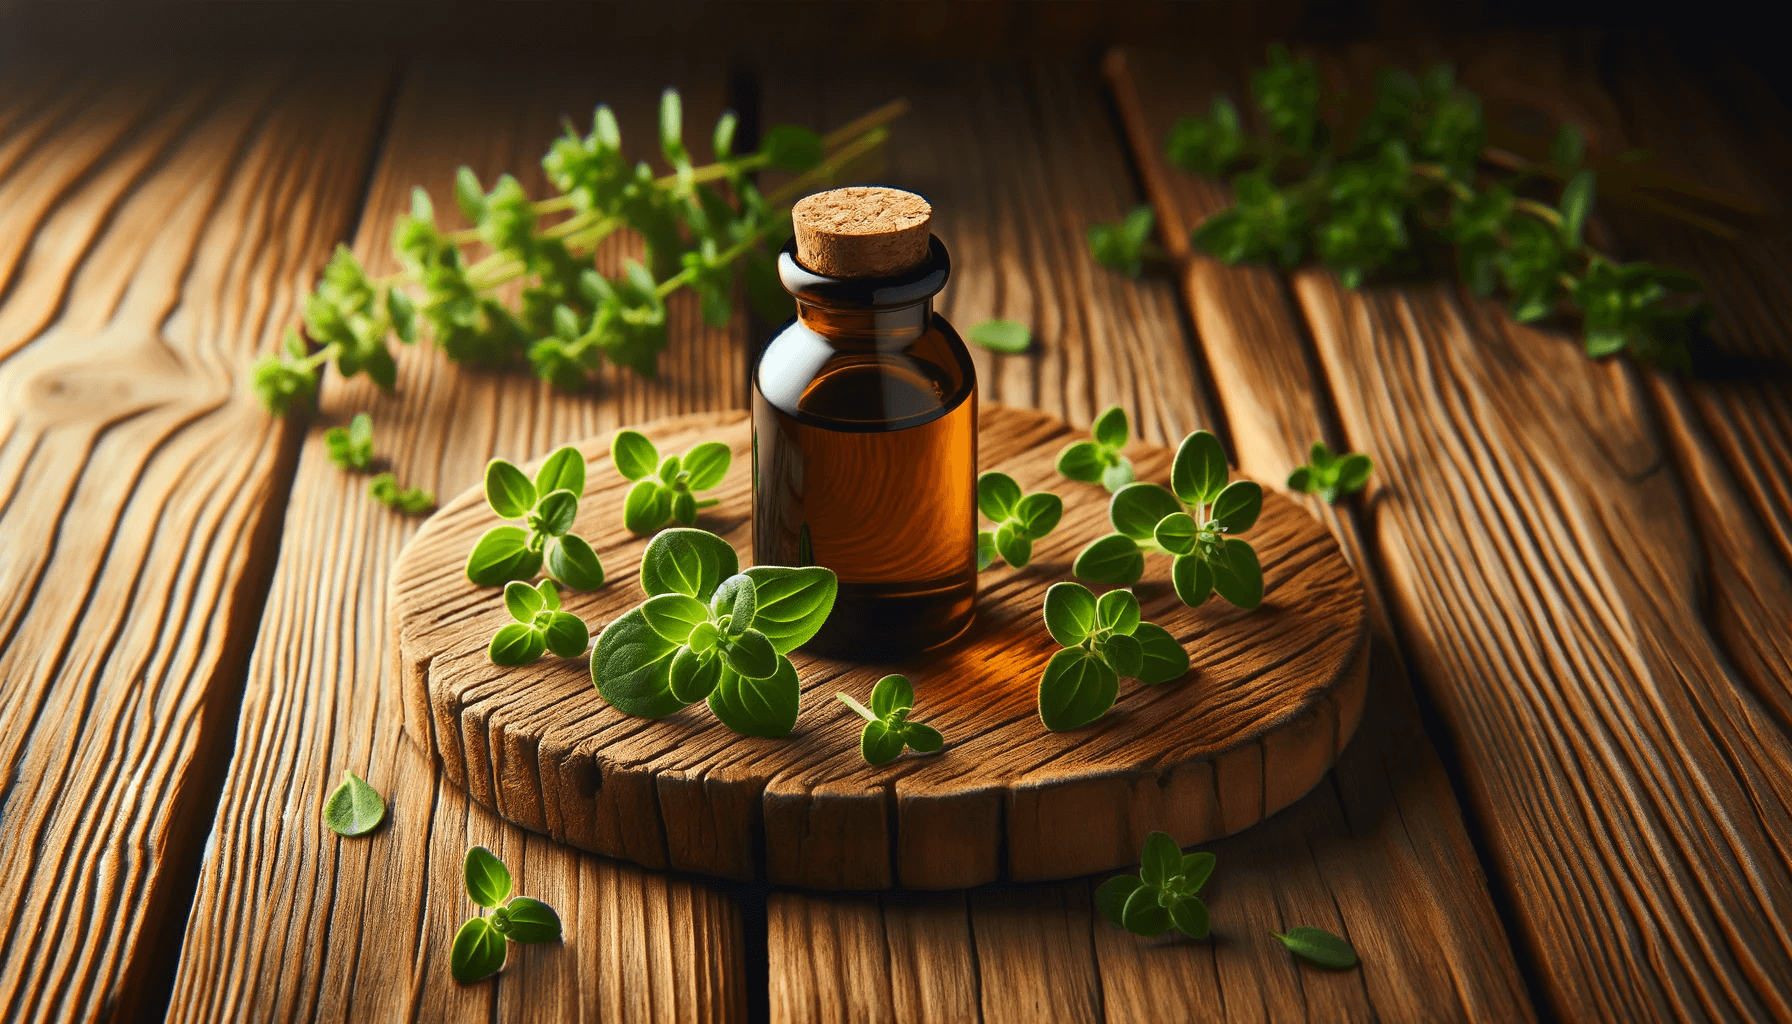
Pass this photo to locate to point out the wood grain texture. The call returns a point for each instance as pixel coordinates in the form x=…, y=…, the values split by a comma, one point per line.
x=1544, y=573
x=1272, y=696
x=291, y=922
x=1386, y=845
x=153, y=227
x=1379, y=855
x=1730, y=425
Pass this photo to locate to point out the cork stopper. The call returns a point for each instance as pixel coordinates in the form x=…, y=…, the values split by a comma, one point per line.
x=862, y=231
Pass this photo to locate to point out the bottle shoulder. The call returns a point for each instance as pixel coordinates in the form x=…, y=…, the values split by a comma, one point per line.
x=810, y=376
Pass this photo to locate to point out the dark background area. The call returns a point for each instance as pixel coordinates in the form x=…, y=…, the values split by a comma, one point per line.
x=800, y=29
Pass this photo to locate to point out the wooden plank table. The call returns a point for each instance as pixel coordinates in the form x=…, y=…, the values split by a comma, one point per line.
x=1571, y=794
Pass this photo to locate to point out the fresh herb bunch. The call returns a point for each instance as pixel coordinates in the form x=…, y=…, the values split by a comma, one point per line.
x=1162, y=895
x=1103, y=640
x=483, y=943
x=887, y=727
x=354, y=808
x=1147, y=517
x=547, y=506
x=540, y=626
x=1099, y=460
x=1416, y=168
x=411, y=501
x=1329, y=475
x=1008, y=337
x=1319, y=946
x=570, y=318
x=665, y=489
x=352, y=447
x=708, y=630
x=1019, y=520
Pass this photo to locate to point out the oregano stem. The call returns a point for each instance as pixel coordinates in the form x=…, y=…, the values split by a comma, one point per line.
x=493, y=272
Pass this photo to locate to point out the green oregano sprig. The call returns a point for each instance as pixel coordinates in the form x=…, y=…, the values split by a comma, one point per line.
x=351, y=447
x=1103, y=640
x=665, y=489
x=1331, y=476
x=887, y=727
x=1418, y=167
x=709, y=631
x=483, y=943
x=1019, y=520
x=1099, y=460
x=1162, y=895
x=411, y=501
x=547, y=507
x=702, y=226
x=540, y=626
x=1193, y=521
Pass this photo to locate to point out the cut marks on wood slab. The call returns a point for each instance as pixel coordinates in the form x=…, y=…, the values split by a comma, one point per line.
x=1272, y=697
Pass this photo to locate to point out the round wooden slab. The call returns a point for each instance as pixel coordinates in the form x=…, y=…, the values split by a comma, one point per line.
x=1272, y=697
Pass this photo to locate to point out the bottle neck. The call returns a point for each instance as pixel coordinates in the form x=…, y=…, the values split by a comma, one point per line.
x=870, y=329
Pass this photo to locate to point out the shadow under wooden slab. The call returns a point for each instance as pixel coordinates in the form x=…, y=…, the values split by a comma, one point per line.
x=300, y=924
x=151, y=224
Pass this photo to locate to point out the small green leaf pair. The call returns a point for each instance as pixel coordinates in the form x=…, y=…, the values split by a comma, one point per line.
x=708, y=630
x=481, y=945
x=1123, y=244
x=1331, y=476
x=547, y=508
x=540, y=626
x=1103, y=640
x=355, y=808
x=412, y=501
x=1009, y=337
x=666, y=489
x=887, y=728
x=1019, y=520
x=352, y=447
x=1147, y=517
x=1162, y=895
x=1100, y=461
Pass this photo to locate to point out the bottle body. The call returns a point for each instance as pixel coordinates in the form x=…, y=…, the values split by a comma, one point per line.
x=865, y=457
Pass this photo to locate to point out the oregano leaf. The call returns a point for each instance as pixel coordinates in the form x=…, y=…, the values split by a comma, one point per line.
x=633, y=454
x=1077, y=688
x=567, y=635
x=1112, y=559
x=793, y=603
x=501, y=555
x=758, y=707
x=1319, y=946
x=478, y=951
x=531, y=921
x=507, y=490
x=563, y=470
x=1009, y=337
x=354, y=808
x=571, y=561
x=486, y=877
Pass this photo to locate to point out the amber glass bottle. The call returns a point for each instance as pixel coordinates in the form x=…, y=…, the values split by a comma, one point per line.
x=865, y=453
